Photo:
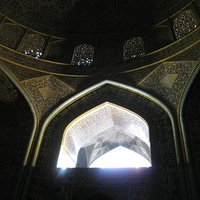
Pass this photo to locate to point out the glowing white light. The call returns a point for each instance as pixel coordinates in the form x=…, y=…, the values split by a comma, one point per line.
x=120, y=157
x=64, y=161
x=111, y=124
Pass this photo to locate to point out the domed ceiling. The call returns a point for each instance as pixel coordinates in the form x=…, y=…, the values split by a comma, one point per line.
x=84, y=16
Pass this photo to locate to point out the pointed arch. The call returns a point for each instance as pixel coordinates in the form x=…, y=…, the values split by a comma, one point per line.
x=101, y=86
x=103, y=131
x=166, y=149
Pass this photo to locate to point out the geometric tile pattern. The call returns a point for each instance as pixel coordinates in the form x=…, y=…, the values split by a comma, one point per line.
x=169, y=80
x=45, y=92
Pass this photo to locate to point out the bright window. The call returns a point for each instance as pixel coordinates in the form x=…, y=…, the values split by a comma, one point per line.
x=120, y=157
x=184, y=23
x=33, y=45
x=133, y=48
x=83, y=55
x=108, y=136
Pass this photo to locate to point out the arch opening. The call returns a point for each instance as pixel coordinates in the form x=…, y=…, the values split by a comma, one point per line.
x=107, y=136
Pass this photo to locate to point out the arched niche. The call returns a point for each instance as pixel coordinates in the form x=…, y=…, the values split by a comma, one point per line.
x=165, y=147
x=106, y=136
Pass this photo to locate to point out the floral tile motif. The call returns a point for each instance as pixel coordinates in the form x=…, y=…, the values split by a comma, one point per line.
x=169, y=80
x=45, y=92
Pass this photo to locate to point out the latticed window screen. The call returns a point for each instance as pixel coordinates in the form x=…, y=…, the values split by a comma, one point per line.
x=83, y=55
x=184, y=23
x=133, y=48
x=33, y=45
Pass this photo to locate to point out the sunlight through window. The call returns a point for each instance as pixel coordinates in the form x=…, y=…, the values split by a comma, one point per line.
x=120, y=157
x=108, y=136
